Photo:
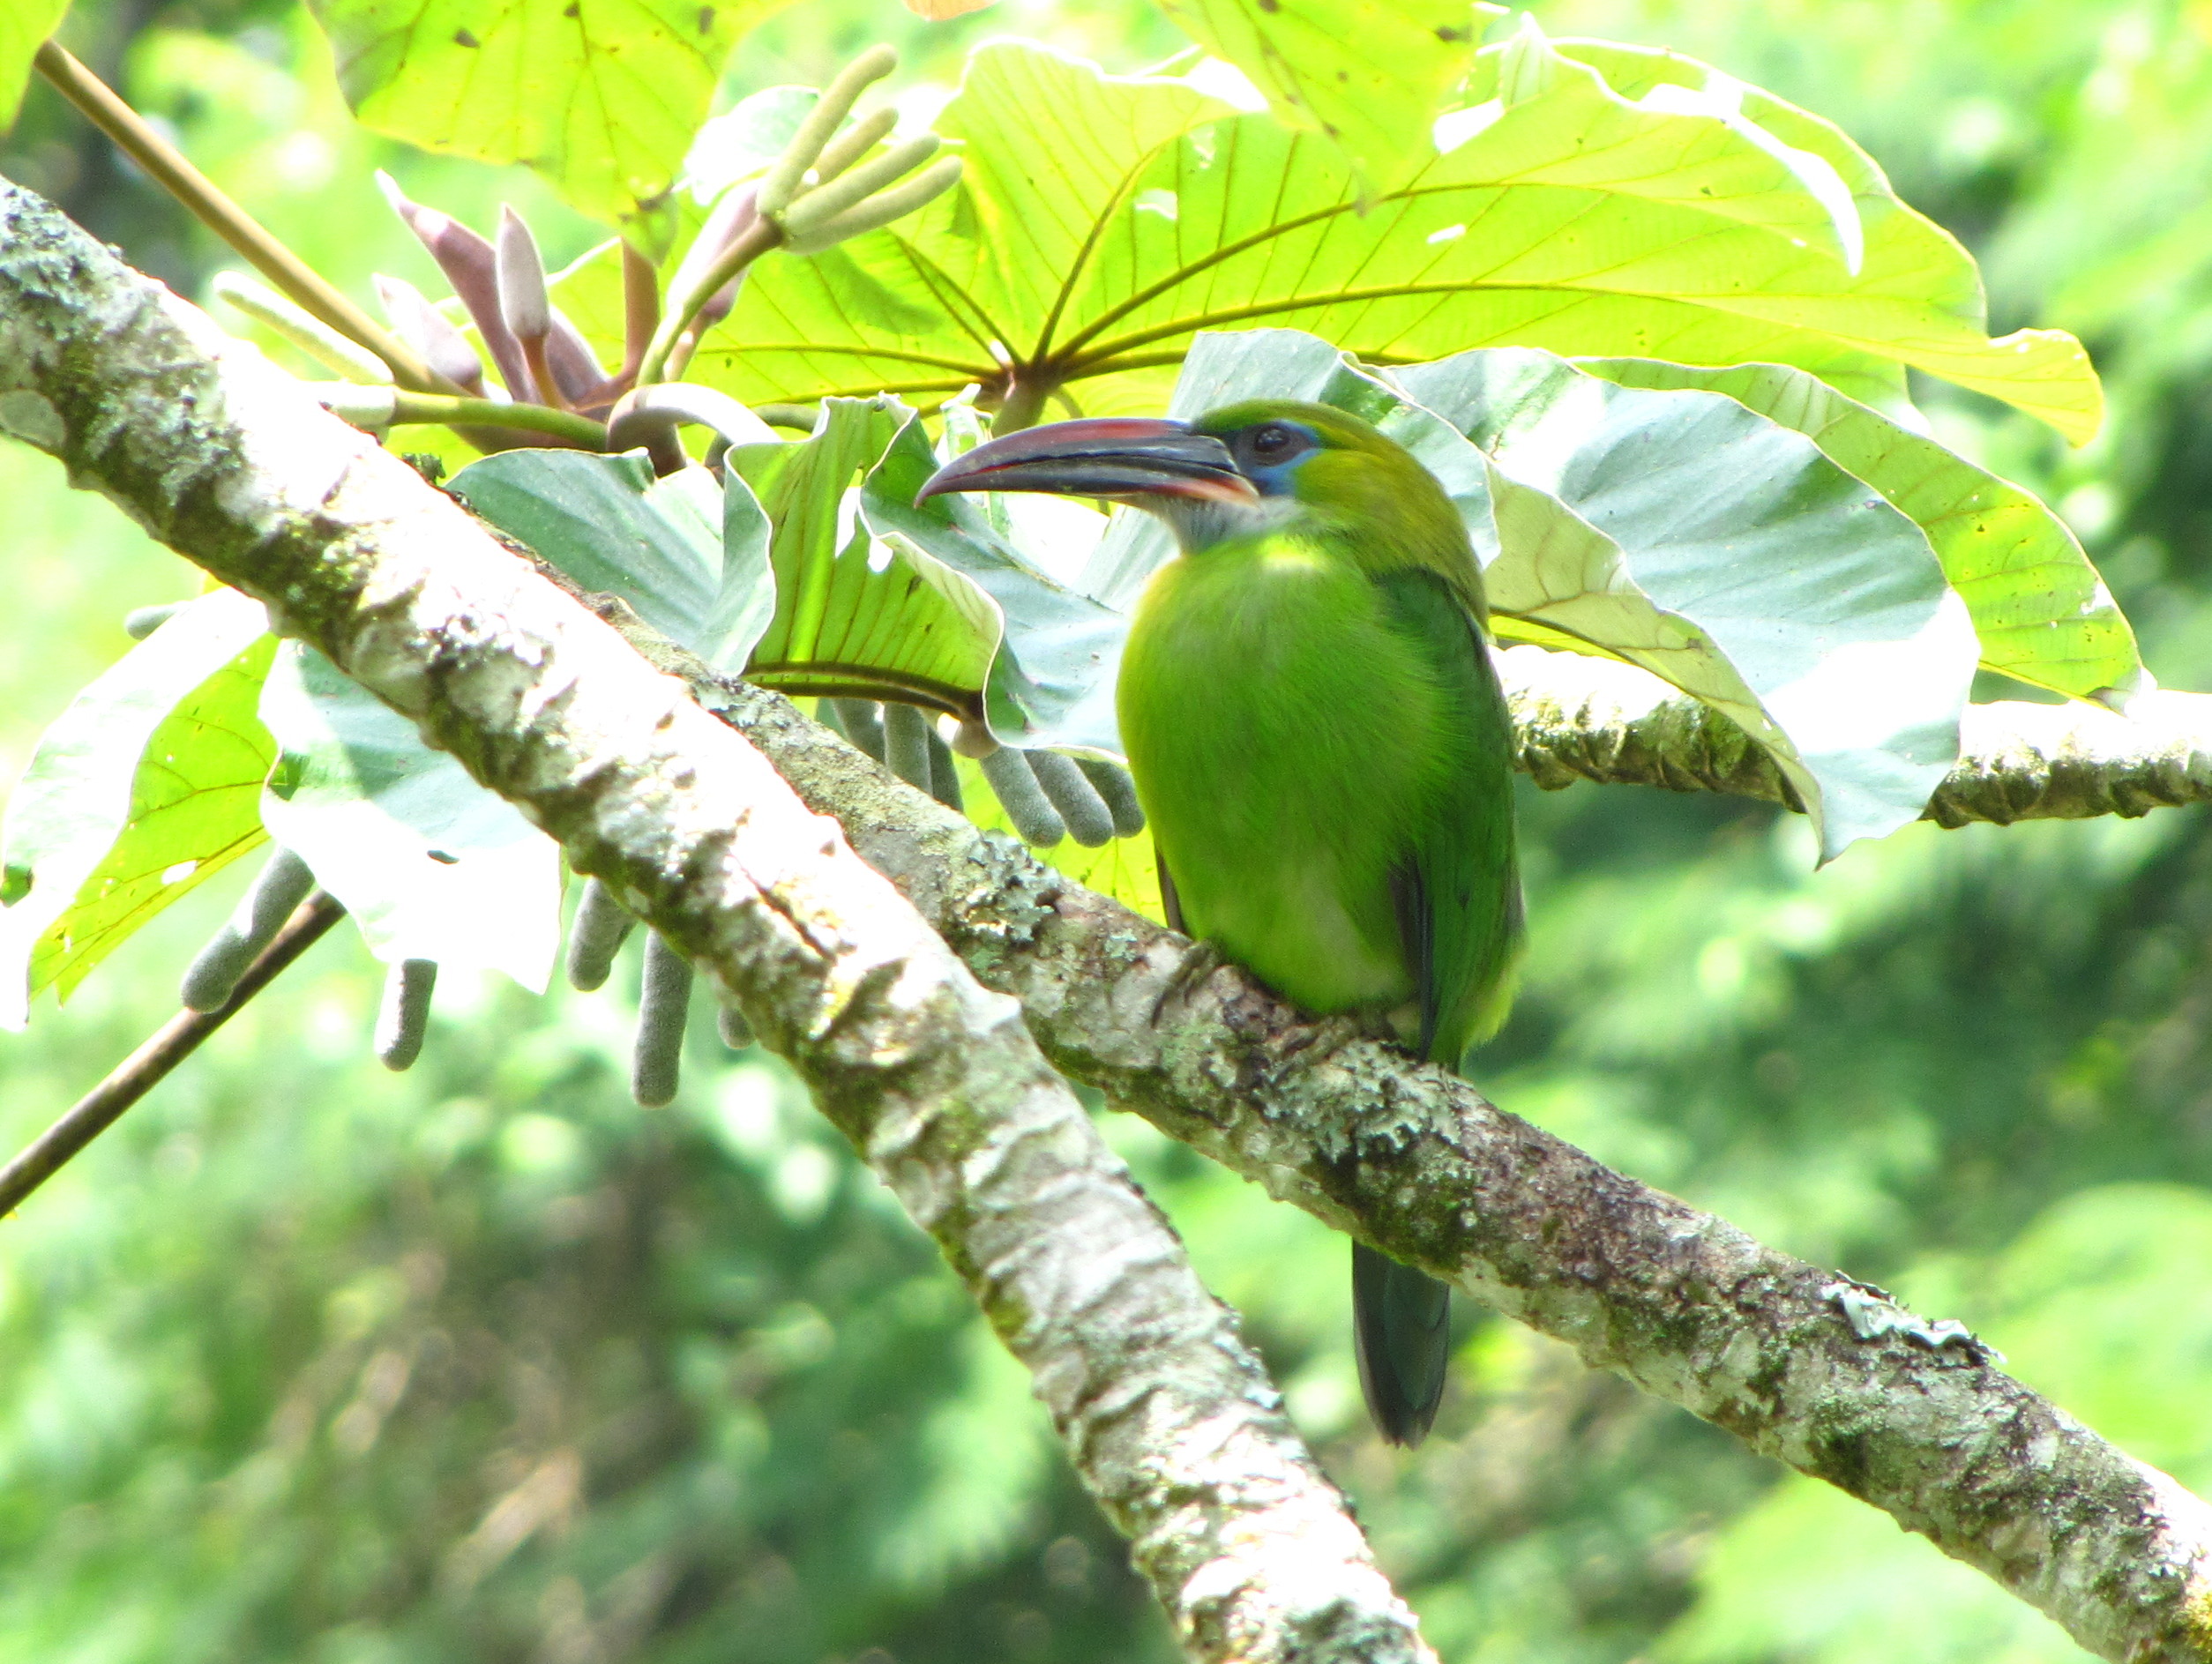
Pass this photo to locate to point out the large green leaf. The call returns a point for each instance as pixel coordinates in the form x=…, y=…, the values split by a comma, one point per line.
x=1691, y=535
x=856, y=612
x=431, y=864
x=2043, y=613
x=146, y=786
x=23, y=25
x=1909, y=256
x=602, y=96
x=691, y=558
x=1102, y=223
x=1368, y=74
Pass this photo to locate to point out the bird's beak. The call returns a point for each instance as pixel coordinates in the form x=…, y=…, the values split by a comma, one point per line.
x=1118, y=457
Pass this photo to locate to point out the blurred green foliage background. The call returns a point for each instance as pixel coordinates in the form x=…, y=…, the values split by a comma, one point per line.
x=309, y=1362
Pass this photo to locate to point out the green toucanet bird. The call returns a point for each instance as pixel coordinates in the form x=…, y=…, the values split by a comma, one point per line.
x=1320, y=746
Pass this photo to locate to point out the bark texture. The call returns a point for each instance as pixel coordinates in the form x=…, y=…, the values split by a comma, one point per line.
x=1596, y=720
x=931, y=1077
x=1169, y=1419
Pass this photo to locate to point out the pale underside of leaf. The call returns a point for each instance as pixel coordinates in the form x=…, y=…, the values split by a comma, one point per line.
x=430, y=865
x=689, y=556
x=1692, y=536
x=2043, y=613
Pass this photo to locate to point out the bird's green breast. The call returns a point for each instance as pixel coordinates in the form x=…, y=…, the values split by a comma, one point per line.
x=1290, y=741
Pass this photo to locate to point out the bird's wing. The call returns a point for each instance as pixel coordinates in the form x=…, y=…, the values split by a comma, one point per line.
x=1171, y=899
x=1457, y=889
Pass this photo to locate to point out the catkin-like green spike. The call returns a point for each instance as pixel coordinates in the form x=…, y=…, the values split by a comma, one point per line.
x=945, y=775
x=1089, y=822
x=854, y=142
x=664, y=1003
x=810, y=212
x=141, y=622
x=1118, y=788
x=906, y=744
x=781, y=182
x=881, y=209
x=281, y=885
x=602, y=926
x=730, y=1024
x=1015, y=782
x=861, y=721
x=403, y=1016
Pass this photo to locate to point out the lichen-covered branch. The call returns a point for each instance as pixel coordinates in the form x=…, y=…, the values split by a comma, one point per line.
x=1800, y=1364
x=1596, y=720
x=1168, y=1418
x=1415, y=1161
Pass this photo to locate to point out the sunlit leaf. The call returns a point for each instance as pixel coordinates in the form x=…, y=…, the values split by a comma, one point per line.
x=145, y=787
x=854, y=613
x=1368, y=74
x=602, y=96
x=431, y=864
x=692, y=559
x=1909, y=257
x=2043, y=613
x=1103, y=221
x=1692, y=536
x=23, y=25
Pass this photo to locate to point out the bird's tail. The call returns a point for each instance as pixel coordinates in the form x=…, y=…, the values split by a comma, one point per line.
x=1403, y=1324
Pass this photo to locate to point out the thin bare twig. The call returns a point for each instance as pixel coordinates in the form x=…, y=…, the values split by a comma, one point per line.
x=144, y=1068
x=214, y=208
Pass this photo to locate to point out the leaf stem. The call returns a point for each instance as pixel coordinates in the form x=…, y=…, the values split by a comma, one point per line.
x=176, y=1041
x=453, y=412
x=215, y=209
x=1023, y=403
x=748, y=246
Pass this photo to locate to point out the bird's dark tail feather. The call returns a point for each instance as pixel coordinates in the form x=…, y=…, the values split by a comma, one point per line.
x=1403, y=1322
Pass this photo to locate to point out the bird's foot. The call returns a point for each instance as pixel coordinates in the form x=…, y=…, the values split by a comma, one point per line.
x=1199, y=961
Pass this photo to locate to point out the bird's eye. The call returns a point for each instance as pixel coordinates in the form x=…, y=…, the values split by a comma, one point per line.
x=1273, y=441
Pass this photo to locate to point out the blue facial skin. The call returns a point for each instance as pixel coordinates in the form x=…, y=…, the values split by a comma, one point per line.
x=1275, y=479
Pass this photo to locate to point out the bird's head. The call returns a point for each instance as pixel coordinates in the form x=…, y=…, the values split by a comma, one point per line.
x=1243, y=468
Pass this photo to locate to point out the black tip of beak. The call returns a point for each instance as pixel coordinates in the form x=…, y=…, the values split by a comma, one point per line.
x=1114, y=457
